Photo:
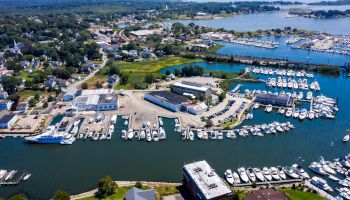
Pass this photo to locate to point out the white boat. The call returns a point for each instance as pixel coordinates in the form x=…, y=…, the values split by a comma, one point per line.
x=325, y=167
x=311, y=115
x=142, y=135
x=236, y=178
x=256, y=105
x=321, y=183
x=290, y=172
x=124, y=134
x=267, y=174
x=126, y=122
x=27, y=176
x=162, y=134
x=300, y=171
x=74, y=130
x=10, y=175
x=268, y=108
x=130, y=134
x=259, y=175
x=76, y=122
x=113, y=119
x=346, y=138
x=289, y=112
x=317, y=168
x=148, y=136
x=191, y=135
x=155, y=136
x=95, y=136
x=242, y=173
x=251, y=174
x=274, y=173
x=281, y=173
x=229, y=176
x=160, y=121
x=2, y=173
x=199, y=134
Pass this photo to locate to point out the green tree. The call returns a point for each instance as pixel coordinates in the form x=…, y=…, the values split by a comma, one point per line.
x=168, y=72
x=106, y=187
x=84, y=86
x=222, y=96
x=59, y=195
x=149, y=78
x=50, y=98
x=98, y=84
x=45, y=105
x=32, y=102
x=18, y=197
x=10, y=84
x=138, y=184
x=36, y=96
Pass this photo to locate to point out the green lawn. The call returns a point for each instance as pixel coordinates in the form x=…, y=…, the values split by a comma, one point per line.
x=27, y=93
x=300, y=195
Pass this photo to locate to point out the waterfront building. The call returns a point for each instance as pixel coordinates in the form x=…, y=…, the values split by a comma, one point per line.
x=203, y=183
x=167, y=100
x=138, y=194
x=196, y=108
x=272, y=99
x=71, y=94
x=191, y=88
x=98, y=100
x=7, y=120
x=266, y=194
x=5, y=105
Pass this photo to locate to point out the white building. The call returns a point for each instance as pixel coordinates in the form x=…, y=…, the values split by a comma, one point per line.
x=97, y=100
x=70, y=95
x=5, y=105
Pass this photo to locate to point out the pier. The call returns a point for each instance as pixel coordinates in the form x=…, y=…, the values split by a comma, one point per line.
x=14, y=182
x=280, y=182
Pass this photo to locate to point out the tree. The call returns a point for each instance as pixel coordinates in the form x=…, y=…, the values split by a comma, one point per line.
x=36, y=96
x=177, y=72
x=168, y=72
x=222, y=96
x=45, y=105
x=18, y=197
x=98, y=84
x=10, y=84
x=138, y=184
x=32, y=102
x=106, y=187
x=149, y=78
x=50, y=98
x=84, y=86
x=59, y=195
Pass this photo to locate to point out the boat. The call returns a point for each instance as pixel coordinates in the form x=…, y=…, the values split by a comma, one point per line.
x=281, y=173
x=317, y=168
x=199, y=134
x=10, y=175
x=76, y=122
x=74, y=130
x=321, y=183
x=259, y=175
x=48, y=137
x=148, y=136
x=242, y=173
x=27, y=176
x=251, y=174
x=236, y=178
x=2, y=173
x=229, y=176
x=162, y=134
x=325, y=167
x=155, y=136
x=142, y=135
x=95, y=136
x=346, y=138
x=130, y=134
x=311, y=115
x=268, y=108
x=126, y=122
x=124, y=134
x=267, y=174
x=160, y=121
x=256, y=105
x=344, y=162
x=290, y=172
x=113, y=119
x=274, y=173
x=300, y=171
x=191, y=135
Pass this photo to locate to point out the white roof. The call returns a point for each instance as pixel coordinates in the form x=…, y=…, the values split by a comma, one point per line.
x=99, y=91
x=145, y=32
x=200, y=106
x=93, y=99
x=203, y=89
x=72, y=92
x=206, y=179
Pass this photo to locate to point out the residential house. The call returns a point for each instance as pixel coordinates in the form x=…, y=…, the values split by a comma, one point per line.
x=55, y=64
x=113, y=79
x=138, y=194
x=25, y=64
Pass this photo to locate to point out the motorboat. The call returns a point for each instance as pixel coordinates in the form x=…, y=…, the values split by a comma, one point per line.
x=191, y=135
x=325, y=167
x=344, y=162
x=346, y=138
x=300, y=171
x=242, y=173
x=200, y=134
x=142, y=135
x=267, y=174
x=162, y=134
x=26, y=176
x=259, y=175
x=311, y=115
x=155, y=136
x=229, y=176
x=251, y=174
x=268, y=108
x=130, y=134
x=10, y=175
x=2, y=173
x=236, y=178
x=148, y=136
x=290, y=172
x=281, y=173
x=320, y=183
x=317, y=168
x=50, y=136
x=124, y=134
x=274, y=173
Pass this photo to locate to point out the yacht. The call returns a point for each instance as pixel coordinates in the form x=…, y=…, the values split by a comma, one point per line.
x=274, y=173
x=26, y=176
x=259, y=175
x=155, y=136
x=130, y=134
x=317, y=168
x=229, y=176
x=321, y=183
x=290, y=172
x=267, y=174
x=281, y=173
x=48, y=137
x=344, y=162
x=251, y=174
x=289, y=112
x=300, y=171
x=10, y=175
x=124, y=134
x=346, y=138
x=236, y=178
x=242, y=173
x=325, y=167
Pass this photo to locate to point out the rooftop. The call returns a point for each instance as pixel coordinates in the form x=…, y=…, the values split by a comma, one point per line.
x=206, y=179
x=191, y=85
x=138, y=194
x=266, y=194
x=169, y=97
x=6, y=118
x=99, y=91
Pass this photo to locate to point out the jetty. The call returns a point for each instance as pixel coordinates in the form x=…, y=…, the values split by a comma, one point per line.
x=280, y=182
x=13, y=182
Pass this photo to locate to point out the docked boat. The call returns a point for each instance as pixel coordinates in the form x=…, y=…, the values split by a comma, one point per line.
x=242, y=173
x=124, y=134
x=281, y=173
x=274, y=173
x=148, y=136
x=267, y=174
x=259, y=175
x=200, y=134
x=346, y=138
x=130, y=134
x=300, y=171
x=325, y=167
x=268, y=108
x=251, y=174
x=236, y=178
x=155, y=136
x=229, y=176
x=48, y=137
x=289, y=112
x=2, y=173
x=290, y=172
x=142, y=135
x=27, y=176
x=321, y=183
x=10, y=175
x=317, y=168
x=126, y=122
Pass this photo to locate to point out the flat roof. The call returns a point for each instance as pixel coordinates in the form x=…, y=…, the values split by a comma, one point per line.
x=98, y=91
x=191, y=86
x=273, y=97
x=169, y=97
x=6, y=118
x=206, y=179
x=92, y=99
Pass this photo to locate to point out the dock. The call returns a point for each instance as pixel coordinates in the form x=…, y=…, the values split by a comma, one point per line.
x=280, y=182
x=319, y=191
x=14, y=182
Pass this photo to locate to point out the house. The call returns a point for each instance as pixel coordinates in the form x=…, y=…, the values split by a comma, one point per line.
x=22, y=107
x=24, y=64
x=7, y=120
x=87, y=67
x=2, y=63
x=3, y=95
x=266, y=194
x=113, y=79
x=71, y=94
x=138, y=194
x=51, y=83
x=55, y=64
x=202, y=182
x=5, y=105
x=63, y=83
x=35, y=64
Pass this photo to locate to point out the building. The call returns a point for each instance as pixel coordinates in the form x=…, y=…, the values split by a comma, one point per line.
x=22, y=107
x=7, y=120
x=97, y=100
x=113, y=80
x=5, y=105
x=275, y=100
x=70, y=95
x=138, y=194
x=196, y=108
x=202, y=182
x=266, y=194
x=190, y=88
x=167, y=100
x=3, y=95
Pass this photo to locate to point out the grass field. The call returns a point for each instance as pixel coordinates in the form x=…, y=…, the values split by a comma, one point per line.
x=300, y=195
x=27, y=93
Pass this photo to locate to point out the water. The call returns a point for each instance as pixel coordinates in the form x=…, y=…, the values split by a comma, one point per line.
x=272, y=20
x=76, y=168
x=284, y=51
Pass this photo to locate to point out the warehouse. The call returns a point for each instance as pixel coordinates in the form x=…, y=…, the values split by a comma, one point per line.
x=167, y=100
x=202, y=182
x=190, y=88
x=275, y=100
x=7, y=120
x=97, y=102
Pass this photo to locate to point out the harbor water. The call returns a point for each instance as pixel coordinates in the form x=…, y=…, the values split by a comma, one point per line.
x=76, y=168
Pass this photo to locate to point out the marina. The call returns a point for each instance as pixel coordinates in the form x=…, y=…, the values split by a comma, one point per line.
x=12, y=177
